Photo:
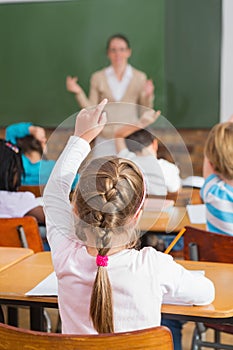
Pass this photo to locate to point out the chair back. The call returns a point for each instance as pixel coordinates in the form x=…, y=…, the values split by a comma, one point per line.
x=207, y=246
x=37, y=190
x=21, y=339
x=20, y=232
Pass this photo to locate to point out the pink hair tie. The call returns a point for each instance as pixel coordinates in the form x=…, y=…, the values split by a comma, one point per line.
x=102, y=260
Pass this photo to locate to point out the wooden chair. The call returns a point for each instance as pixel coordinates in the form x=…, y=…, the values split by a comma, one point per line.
x=21, y=339
x=37, y=190
x=20, y=232
x=208, y=246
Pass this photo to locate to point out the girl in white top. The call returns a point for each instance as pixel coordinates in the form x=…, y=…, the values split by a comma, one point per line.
x=104, y=284
x=12, y=202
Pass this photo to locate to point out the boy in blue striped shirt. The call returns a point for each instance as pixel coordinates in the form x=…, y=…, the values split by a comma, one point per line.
x=217, y=191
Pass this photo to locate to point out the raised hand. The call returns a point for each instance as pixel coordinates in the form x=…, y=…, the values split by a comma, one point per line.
x=149, y=88
x=148, y=117
x=89, y=123
x=39, y=133
x=72, y=85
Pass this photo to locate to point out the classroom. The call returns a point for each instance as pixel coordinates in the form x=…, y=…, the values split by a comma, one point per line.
x=185, y=49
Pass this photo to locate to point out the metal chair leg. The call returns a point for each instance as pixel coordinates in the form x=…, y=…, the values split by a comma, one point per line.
x=48, y=323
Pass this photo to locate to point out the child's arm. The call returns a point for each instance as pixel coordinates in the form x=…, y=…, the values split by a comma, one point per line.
x=181, y=286
x=146, y=119
x=18, y=130
x=58, y=210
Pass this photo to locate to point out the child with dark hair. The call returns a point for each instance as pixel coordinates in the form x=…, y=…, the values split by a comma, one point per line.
x=104, y=284
x=138, y=143
x=32, y=141
x=13, y=203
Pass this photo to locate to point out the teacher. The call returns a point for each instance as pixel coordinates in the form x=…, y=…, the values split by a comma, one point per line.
x=119, y=82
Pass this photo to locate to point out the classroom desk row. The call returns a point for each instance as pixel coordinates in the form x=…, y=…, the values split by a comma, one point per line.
x=10, y=256
x=17, y=279
x=171, y=221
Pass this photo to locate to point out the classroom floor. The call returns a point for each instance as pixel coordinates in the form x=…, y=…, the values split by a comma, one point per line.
x=186, y=339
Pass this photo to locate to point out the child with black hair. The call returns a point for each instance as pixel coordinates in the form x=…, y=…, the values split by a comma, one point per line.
x=12, y=202
x=137, y=142
x=32, y=141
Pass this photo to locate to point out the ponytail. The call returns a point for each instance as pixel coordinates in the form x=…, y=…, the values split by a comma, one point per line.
x=101, y=306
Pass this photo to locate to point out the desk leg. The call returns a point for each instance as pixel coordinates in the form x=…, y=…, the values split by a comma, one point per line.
x=36, y=318
x=2, y=320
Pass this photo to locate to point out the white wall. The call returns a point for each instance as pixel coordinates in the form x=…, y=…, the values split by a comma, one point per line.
x=226, y=87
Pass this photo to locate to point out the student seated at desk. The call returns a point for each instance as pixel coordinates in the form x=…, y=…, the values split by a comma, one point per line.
x=32, y=141
x=217, y=191
x=135, y=142
x=105, y=284
x=12, y=202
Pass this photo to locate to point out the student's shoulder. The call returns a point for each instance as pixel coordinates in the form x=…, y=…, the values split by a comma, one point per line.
x=211, y=181
x=211, y=186
x=167, y=165
x=17, y=197
x=150, y=255
x=48, y=163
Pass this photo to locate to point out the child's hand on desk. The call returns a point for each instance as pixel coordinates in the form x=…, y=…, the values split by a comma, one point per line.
x=89, y=123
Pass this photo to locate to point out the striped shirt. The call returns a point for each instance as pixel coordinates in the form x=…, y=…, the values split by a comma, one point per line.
x=218, y=197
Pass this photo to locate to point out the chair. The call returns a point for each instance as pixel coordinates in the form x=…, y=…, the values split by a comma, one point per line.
x=22, y=339
x=21, y=232
x=208, y=246
x=37, y=190
x=14, y=231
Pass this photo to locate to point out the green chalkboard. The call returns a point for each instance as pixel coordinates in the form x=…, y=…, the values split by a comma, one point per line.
x=192, y=62
x=42, y=43
x=176, y=42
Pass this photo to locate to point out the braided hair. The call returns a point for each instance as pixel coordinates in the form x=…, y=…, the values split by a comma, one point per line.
x=11, y=167
x=108, y=194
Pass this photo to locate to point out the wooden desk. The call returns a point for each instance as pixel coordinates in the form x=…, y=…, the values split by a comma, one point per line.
x=19, y=278
x=23, y=276
x=221, y=310
x=172, y=221
x=10, y=256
